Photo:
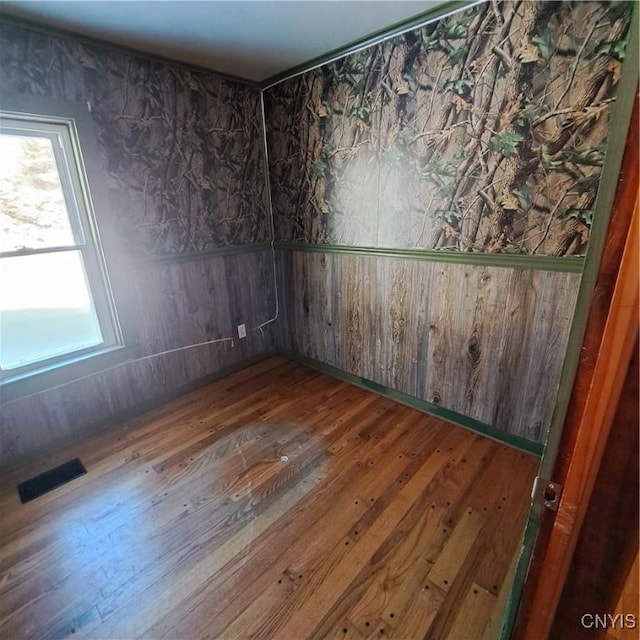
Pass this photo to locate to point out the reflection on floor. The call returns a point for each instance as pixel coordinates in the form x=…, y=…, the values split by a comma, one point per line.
x=275, y=503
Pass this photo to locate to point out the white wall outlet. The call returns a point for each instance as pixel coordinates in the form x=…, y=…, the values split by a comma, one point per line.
x=242, y=331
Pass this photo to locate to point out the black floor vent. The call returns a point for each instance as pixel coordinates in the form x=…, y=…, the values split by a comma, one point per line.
x=49, y=480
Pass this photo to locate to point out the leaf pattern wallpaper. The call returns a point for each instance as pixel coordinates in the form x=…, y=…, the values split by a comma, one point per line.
x=182, y=148
x=484, y=131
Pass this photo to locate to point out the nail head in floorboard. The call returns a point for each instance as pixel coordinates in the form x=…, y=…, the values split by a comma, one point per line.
x=191, y=525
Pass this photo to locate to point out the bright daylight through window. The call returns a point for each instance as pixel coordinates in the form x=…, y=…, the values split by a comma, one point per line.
x=55, y=304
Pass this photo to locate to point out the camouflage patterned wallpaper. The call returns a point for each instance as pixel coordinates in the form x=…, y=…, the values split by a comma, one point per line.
x=182, y=148
x=484, y=131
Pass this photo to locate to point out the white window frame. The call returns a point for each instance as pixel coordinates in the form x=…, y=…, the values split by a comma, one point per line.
x=70, y=129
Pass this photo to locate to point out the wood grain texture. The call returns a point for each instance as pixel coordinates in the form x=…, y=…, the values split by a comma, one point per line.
x=181, y=148
x=628, y=601
x=191, y=524
x=180, y=151
x=614, y=355
x=175, y=304
x=604, y=570
x=485, y=342
x=618, y=233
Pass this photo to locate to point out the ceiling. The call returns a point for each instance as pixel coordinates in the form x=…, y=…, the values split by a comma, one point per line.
x=252, y=39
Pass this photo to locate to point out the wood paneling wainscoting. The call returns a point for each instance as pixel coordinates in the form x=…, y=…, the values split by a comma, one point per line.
x=176, y=304
x=178, y=186
x=277, y=502
x=485, y=342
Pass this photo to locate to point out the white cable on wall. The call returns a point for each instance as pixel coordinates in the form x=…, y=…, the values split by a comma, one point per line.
x=259, y=327
x=270, y=205
x=122, y=364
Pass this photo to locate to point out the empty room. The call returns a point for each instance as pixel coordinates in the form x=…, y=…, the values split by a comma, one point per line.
x=319, y=319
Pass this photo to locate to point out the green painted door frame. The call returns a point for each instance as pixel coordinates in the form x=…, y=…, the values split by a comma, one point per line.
x=627, y=89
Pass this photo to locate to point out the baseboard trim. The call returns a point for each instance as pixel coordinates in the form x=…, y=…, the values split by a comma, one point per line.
x=458, y=419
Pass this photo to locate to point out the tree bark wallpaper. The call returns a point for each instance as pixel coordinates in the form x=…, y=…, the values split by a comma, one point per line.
x=181, y=153
x=484, y=131
x=182, y=148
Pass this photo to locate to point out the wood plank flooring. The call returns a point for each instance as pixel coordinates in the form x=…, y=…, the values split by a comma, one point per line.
x=275, y=503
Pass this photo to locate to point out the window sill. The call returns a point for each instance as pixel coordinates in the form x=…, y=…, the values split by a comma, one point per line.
x=65, y=372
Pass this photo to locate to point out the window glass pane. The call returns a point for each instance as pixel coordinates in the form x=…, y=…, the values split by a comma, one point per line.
x=46, y=308
x=33, y=213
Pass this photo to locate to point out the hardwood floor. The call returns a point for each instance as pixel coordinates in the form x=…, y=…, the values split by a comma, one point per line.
x=275, y=503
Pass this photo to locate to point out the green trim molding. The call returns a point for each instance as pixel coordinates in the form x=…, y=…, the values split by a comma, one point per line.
x=511, y=261
x=422, y=405
x=620, y=119
x=627, y=89
x=418, y=20
x=520, y=575
x=203, y=255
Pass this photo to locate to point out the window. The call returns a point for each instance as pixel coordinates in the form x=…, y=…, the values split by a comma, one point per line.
x=56, y=305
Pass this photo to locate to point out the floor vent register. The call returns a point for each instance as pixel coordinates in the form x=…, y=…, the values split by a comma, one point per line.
x=50, y=480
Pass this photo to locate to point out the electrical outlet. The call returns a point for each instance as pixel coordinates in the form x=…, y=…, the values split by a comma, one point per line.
x=242, y=331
